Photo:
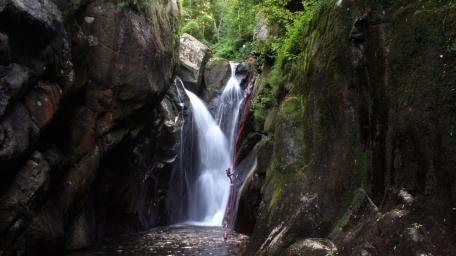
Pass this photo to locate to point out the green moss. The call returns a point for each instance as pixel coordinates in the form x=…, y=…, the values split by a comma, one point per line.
x=292, y=105
x=353, y=206
x=280, y=180
x=275, y=196
x=50, y=13
x=288, y=162
x=262, y=103
x=266, y=137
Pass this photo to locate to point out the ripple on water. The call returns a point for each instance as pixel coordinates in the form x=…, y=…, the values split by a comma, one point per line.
x=183, y=240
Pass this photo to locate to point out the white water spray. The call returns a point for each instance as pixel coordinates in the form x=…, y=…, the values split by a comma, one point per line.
x=208, y=191
x=210, y=195
x=229, y=106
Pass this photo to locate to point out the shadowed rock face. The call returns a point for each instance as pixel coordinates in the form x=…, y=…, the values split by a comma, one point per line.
x=369, y=105
x=80, y=91
x=25, y=21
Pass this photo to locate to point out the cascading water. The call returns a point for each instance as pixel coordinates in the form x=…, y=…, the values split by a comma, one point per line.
x=210, y=195
x=228, y=108
x=208, y=190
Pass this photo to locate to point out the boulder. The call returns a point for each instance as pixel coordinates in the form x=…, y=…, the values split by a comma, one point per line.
x=18, y=135
x=193, y=57
x=261, y=31
x=216, y=75
x=242, y=69
x=82, y=135
x=78, y=183
x=312, y=247
x=68, y=8
x=14, y=82
x=29, y=23
x=25, y=193
x=82, y=232
x=5, y=51
x=43, y=102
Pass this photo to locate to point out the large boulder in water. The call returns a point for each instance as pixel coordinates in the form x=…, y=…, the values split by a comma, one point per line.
x=193, y=58
x=216, y=75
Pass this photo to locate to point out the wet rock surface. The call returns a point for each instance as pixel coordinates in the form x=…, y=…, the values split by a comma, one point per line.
x=78, y=91
x=312, y=247
x=171, y=241
x=362, y=116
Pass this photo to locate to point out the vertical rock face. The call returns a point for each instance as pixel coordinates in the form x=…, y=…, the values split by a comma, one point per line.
x=363, y=140
x=81, y=84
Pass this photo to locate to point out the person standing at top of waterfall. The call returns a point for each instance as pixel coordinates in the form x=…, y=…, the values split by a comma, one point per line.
x=230, y=175
x=253, y=56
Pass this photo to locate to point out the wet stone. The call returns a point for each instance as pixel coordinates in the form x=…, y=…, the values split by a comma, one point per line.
x=171, y=241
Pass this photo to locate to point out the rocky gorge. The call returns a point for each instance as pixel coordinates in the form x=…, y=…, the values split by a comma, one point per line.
x=351, y=153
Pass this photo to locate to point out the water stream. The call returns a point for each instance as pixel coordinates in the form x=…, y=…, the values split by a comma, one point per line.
x=207, y=186
x=210, y=193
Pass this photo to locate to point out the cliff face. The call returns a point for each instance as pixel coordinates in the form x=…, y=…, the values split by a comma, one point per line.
x=362, y=141
x=82, y=86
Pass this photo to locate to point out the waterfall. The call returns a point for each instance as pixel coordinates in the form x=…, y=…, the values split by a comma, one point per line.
x=207, y=187
x=207, y=204
x=228, y=108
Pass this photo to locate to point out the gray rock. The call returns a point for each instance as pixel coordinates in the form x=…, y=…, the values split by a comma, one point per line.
x=312, y=247
x=30, y=23
x=216, y=75
x=43, y=102
x=78, y=182
x=242, y=69
x=14, y=81
x=193, y=57
x=138, y=68
x=453, y=193
x=68, y=8
x=25, y=192
x=18, y=135
x=82, y=232
x=5, y=51
x=261, y=32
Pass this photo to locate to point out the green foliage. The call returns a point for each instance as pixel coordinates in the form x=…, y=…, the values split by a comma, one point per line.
x=193, y=28
x=452, y=47
x=226, y=26
x=262, y=103
x=282, y=49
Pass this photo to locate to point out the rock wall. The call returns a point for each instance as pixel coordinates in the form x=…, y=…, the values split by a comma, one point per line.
x=82, y=86
x=362, y=137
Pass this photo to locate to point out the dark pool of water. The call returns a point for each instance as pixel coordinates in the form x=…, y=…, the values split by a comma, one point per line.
x=169, y=241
